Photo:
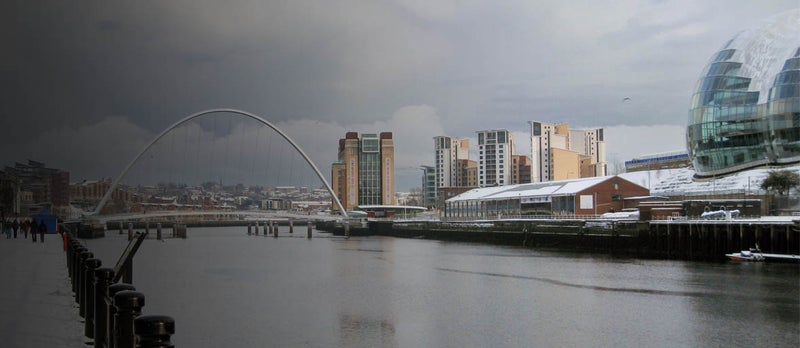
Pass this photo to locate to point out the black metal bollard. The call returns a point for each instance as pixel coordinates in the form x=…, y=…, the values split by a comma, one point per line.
x=129, y=306
x=72, y=246
x=87, y=301
x=79, y=279
x=73, y=264
x=154, y=331
x=70, y=250
x=102, y=280
x=113, y=289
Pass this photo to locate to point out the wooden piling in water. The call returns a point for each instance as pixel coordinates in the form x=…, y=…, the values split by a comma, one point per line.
x=291, y=226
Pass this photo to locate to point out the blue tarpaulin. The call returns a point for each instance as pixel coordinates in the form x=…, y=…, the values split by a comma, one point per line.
x=50, y=220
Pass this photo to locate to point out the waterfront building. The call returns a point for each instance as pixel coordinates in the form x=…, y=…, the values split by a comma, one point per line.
x=564, y=198
x=364, y=171
x=745, y=110
x=657, y=161
x=495, y=148
x=40, y=186
x=559, y=153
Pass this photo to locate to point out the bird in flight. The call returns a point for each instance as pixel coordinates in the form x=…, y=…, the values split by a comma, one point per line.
x=626, y=99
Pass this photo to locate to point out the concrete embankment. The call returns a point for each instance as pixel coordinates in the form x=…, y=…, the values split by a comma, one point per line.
x=695, y=239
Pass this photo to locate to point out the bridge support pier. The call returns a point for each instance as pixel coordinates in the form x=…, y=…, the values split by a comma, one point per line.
x=120, y=227
x=158, y=231
x=130, y=231
x=291, y=226
x=249, y=229
x=308, y=224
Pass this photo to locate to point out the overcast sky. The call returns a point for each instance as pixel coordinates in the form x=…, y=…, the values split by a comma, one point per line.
x=86, y=84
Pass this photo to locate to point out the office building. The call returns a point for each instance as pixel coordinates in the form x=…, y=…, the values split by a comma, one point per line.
x=364, y=171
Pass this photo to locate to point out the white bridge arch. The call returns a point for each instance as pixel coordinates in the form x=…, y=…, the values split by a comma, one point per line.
x=201, y=113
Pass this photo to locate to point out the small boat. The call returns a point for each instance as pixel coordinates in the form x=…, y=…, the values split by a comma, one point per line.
x=746, y=255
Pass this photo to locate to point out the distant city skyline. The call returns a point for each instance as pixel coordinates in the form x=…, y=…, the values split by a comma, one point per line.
x=87, y=85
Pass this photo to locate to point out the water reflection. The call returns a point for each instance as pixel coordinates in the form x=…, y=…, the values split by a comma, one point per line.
x=359, y=331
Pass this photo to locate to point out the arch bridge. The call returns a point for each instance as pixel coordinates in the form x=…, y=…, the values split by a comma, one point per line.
x=97, y=216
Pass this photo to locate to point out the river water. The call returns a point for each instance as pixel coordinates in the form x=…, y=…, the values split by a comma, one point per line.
x=227, y=289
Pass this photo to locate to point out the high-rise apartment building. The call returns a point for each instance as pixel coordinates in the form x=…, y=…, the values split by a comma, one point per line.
x=364, y=171
x=520, y=169
x=558, y=153
x=448, y=152
x=495, y=148
x=468, y=173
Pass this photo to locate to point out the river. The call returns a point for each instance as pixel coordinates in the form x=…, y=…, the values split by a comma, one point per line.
x=229, y=289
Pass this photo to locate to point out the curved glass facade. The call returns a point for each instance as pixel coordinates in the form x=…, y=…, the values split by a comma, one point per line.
x=745, y=110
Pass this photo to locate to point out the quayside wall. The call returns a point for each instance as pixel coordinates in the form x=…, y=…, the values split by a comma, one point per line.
x=689, y=240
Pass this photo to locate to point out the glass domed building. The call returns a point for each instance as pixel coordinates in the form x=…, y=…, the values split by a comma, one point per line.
x=745, y=110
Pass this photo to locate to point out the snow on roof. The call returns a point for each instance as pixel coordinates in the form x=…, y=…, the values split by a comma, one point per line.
x=682, y=181
x=548, y=188
x=479, y=193
x=663, y=182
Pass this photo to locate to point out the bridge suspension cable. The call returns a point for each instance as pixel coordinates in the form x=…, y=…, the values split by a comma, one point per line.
x=263, y=121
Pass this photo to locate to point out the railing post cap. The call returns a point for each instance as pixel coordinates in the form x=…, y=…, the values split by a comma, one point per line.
x=92, y=263
x=129, y=299
x=115, y=288
x=154, y=325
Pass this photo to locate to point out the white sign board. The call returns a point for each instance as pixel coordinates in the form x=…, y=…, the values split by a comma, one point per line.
x=587, y=201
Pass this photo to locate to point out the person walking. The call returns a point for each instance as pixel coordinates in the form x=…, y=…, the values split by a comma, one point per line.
x=15, y=227
x=26, y=226
x=42, y=230
x=7, y=227
x=34, y=227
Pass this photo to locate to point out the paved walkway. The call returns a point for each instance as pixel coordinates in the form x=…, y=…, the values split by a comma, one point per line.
x=37, y=308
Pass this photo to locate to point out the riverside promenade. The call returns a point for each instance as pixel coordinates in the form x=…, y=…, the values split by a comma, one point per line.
x=37, y=308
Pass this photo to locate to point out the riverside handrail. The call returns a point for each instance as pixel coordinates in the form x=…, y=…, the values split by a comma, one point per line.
x=112, y=310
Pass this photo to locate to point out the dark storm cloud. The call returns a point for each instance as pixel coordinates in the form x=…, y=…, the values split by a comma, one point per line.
x=69, y=68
